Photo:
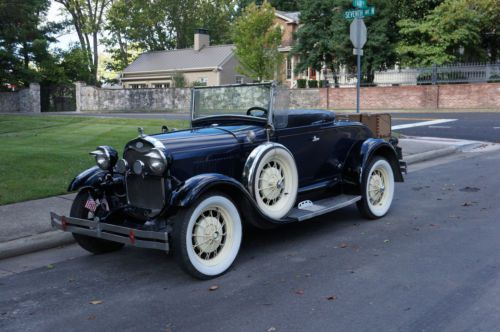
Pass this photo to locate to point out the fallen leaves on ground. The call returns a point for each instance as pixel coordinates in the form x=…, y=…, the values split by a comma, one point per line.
x=95, y=302
x=299, y=292
x=213, y=288
x=331, y=298
x=470, y=189
x=271, y=329
x=343, y=245
x=50, y=266
x=387, y=241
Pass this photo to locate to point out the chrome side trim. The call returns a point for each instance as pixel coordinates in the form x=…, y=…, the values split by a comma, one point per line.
x=126, y=235
x=252, y=162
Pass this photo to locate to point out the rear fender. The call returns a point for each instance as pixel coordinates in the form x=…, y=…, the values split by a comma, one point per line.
x=88, y=178
x=359, y=157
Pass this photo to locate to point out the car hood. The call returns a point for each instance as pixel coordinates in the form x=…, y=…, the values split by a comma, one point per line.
x=200, y=138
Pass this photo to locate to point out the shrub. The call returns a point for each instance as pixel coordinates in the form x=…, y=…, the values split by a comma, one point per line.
x=301, y=83
x=323, y=84
x=312, y=83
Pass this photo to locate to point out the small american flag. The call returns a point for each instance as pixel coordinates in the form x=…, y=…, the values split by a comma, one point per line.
x=91, y=204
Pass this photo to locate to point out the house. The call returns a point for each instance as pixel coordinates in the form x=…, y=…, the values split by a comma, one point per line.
x=202, y=65
x=211, y=65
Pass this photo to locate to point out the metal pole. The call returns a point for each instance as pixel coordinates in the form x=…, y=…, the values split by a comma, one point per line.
x=358, y=85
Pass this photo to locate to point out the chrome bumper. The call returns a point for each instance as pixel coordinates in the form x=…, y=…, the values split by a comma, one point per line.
x=131, y=236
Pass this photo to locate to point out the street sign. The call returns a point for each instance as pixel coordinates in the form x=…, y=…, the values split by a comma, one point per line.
x=358, y=33
x=359, y=3
x=359, y=13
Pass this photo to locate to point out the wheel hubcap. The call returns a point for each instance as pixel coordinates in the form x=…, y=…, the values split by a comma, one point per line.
x=376, y=187
x=271, y=184
x=209, y=234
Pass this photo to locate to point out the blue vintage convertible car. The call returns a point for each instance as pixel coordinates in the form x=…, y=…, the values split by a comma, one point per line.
x=247, y=159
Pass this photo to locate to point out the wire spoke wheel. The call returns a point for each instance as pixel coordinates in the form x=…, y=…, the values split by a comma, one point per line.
x=275, y=183
x=207, y=236
x=378, y=183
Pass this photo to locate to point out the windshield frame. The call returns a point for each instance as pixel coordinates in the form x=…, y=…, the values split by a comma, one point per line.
x=269, y=119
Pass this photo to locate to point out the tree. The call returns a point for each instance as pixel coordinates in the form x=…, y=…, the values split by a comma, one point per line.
x=456, y=30
x=257, y=40
x=87, y=16
x=284, y=5
x=24, y=41
x=323, y=37
x=134, y=25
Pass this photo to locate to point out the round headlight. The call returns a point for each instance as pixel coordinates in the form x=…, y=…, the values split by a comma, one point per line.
x=105, y=157
x=157, y=161
x=121, y=166
x=138, y=167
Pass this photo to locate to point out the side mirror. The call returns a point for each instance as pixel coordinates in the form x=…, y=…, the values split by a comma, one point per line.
x=164, y=129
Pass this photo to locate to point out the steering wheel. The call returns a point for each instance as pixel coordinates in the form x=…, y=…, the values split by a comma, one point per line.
x=257, y=108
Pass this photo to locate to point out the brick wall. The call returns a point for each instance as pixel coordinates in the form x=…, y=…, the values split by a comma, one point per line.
x=473, y=96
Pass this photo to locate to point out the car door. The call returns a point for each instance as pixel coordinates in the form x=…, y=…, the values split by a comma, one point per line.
x=307, y=144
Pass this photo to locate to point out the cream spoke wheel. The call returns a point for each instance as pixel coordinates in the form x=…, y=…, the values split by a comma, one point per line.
x=378, y=189
x=275, y=182
x=208, y=236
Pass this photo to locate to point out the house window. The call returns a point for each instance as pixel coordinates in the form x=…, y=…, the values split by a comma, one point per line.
x=138, y=86
x=239, y=80
x=288, y=69
x=203, y=81
x=161, y=85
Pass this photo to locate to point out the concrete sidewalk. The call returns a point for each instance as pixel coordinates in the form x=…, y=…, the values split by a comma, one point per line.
x=25, y=227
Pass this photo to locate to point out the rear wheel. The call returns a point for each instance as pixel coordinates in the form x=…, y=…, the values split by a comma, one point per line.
x=377, y=189
x=207, y=236
x=91, y=244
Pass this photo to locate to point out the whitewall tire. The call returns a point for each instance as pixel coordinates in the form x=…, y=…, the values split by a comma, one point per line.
x=275, y=183
x=207, y=236
x=377, y=189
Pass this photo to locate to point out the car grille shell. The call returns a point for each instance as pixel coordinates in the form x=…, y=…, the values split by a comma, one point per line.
x=145, y=191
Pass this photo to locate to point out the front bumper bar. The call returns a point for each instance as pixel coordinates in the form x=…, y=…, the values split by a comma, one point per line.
x=126, y=235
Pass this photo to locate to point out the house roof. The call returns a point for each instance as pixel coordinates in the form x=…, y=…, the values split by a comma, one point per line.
x=290, y=17
x=209, y=57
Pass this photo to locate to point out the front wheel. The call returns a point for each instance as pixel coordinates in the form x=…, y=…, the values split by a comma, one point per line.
x=207, y=236
x=91, y=244
x=377, y=189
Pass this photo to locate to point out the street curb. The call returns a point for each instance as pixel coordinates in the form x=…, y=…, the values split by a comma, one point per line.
x=434, y=154
x=34, y=243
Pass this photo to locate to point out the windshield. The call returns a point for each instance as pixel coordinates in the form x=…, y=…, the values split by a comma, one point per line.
x=231, y=100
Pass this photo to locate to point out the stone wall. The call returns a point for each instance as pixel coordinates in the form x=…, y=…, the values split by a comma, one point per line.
x=24, y=101
x=9, y=102
x=92, y=99
x=452, y=96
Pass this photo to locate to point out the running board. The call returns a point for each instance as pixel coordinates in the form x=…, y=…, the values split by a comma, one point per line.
x=321, y=207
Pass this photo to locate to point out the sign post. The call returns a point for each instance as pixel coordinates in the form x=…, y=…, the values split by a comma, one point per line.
x=358, y=35
x=358, y=39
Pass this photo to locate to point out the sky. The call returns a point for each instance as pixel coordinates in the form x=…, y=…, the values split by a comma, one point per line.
x=66, y=38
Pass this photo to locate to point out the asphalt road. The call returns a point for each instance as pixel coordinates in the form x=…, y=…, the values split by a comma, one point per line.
x=432, y=264
x=471, y=126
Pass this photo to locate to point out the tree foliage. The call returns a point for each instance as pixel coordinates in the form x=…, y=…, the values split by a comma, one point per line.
x=257, y=40
x=164, y=24
x=87, y=17
x=323, y=37
x=24, y=41
x=456, y=30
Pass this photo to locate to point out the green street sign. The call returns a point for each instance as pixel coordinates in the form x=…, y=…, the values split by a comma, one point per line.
x=359, y=13
x=359, y=3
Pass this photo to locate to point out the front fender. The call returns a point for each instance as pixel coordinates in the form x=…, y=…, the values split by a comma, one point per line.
x=196, y=186
x=87, y=178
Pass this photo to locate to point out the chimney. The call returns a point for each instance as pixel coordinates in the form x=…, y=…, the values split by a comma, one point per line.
x=201, y=39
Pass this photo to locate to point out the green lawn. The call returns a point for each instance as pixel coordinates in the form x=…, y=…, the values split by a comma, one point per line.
x=40, y=155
